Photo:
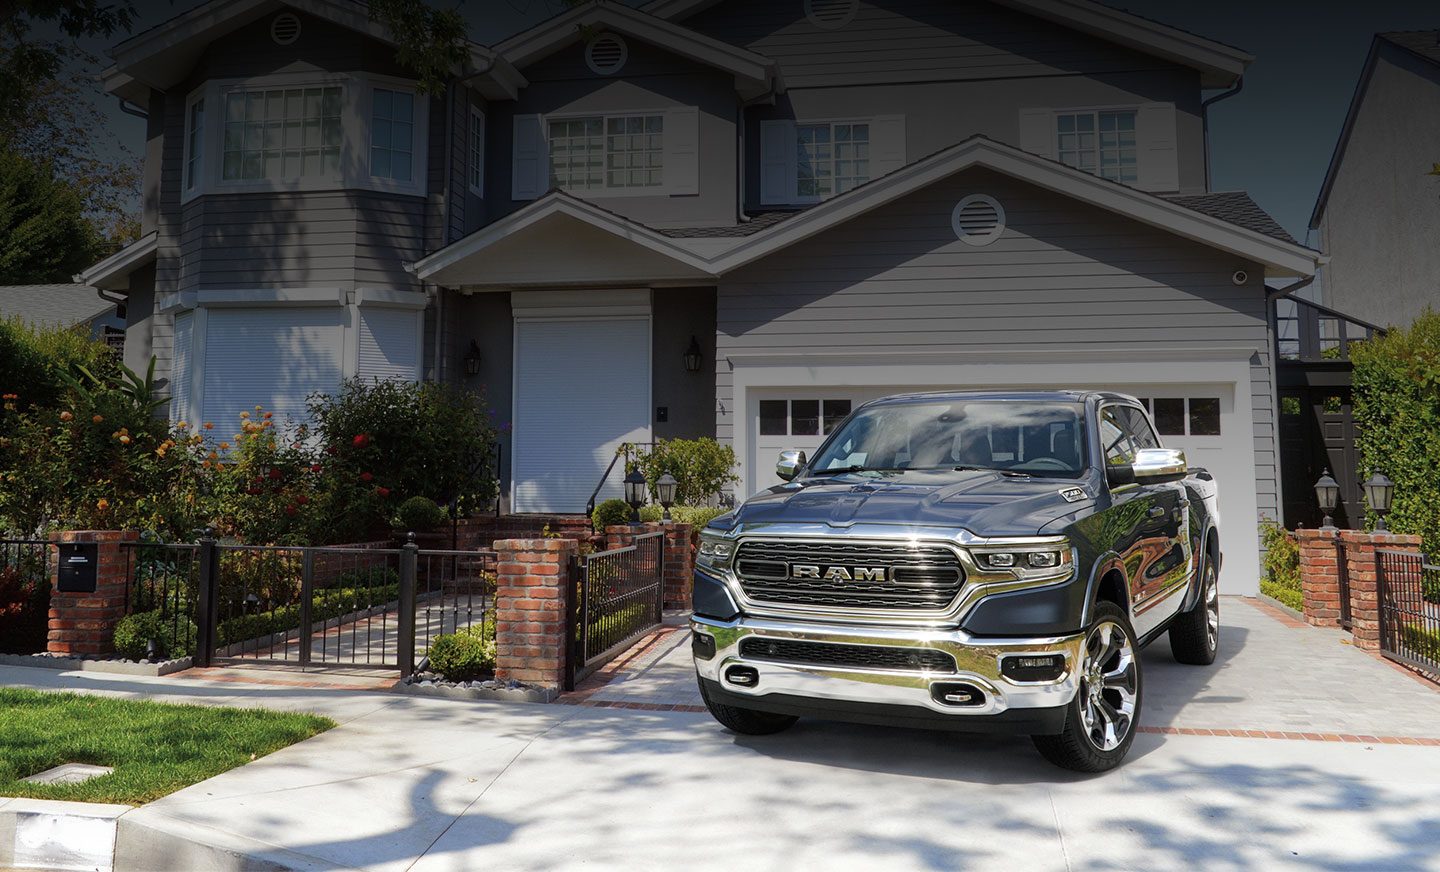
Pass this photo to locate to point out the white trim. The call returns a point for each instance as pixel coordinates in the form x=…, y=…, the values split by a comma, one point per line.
x=391, y=297
x=259, y=298
x=475, y=157
x=113, y=273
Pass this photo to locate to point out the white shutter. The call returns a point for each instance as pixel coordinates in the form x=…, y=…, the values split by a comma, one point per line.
x=1159, y=168
x=477, y=151
x=274, y=358
x=887, y=144
x=682, y=154
x=1037, y=132
x=530, y=165
x=389, y=344
x=777, y=162
x=182, y=356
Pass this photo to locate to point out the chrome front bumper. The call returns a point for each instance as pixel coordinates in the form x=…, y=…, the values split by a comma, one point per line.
x=978, y=662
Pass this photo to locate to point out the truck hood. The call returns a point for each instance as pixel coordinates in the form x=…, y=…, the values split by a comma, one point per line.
x=984, y=502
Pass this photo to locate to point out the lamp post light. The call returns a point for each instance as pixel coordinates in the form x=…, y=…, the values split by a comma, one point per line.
x=1379, y=491
x=635, y=493
x=693, y=356
x=1327, y=491
x=665, y=491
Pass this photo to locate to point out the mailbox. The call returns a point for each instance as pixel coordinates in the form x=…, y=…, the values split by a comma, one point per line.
x=78, y=567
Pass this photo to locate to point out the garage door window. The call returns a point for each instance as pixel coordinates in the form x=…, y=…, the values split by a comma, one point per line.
x=1178, y=416
x=801, y=417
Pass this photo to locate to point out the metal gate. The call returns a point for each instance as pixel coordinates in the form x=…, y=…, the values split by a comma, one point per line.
x=25, y=568
x=619, y=596
x=1409, y=599
x=1342, y=576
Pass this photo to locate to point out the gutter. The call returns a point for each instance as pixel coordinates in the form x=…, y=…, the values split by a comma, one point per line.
x=741, y=181
x=1205, y=120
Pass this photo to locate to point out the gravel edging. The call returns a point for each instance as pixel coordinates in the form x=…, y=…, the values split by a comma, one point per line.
x=82, y=664
x=501, y=691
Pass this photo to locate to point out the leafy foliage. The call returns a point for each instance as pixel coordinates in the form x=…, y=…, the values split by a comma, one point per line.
x=331, y=602
x=431, y=42
x=44, y=235
x=465, y=655
x=702, y=468
x=610, y=513
x=174, y=636
x=1281, y=573
x=24, y=602
x=418, y=515
x=695, y=516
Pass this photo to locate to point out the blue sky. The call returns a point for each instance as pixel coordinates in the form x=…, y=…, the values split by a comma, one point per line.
x=1274, y=139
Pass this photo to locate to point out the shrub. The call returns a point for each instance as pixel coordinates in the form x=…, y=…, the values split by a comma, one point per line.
x=173, y=635
x=1281, y=578
x=702, y=468
x=24, y=605
x=34, y=359
x=466, y=655
x=696, y=516
x=610, y=513
x=358, y=591
x=418, y=515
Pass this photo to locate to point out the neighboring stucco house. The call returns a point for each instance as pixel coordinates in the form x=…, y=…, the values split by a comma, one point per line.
x=65, y=305
x=1378, y=213
x=832, y=200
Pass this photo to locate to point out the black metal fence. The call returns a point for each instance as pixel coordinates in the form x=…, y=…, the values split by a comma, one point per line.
x=455, y=590
x=619, y=596
x=1342, y=573
x=1409, y=600
x=25, y=570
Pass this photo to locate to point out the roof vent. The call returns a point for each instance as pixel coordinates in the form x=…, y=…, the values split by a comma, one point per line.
x=606, y=54
x=831, y=14
x=285, y=28
x=978, y=220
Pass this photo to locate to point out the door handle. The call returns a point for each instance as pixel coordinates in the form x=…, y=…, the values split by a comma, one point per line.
x=1157, y=511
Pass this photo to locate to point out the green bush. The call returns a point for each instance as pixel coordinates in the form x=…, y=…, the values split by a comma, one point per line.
x=174, y=636
x=702, y=468
x=466, y=655
x=695, y=516
x=1397, y=416
x=418, y=515
x=1280, y=579
x=610, y=513
x=330, y=602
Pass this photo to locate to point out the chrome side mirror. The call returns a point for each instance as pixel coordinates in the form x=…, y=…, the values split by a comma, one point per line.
x=789, y=464
x=1156, y=465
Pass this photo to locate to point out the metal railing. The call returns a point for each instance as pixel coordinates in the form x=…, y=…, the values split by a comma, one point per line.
x=1409, y=598
x=619, y=596
x=1342, y=573
x=25, y=570
x=625, y=452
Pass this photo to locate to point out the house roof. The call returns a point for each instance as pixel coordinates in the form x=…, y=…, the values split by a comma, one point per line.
x=756, y=223
x=1226, y=221
x=1220, y=65
x=113, y=273
x=61, y=305
x=1424, y=44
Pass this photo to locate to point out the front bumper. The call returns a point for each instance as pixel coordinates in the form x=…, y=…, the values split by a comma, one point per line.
x=885, y=695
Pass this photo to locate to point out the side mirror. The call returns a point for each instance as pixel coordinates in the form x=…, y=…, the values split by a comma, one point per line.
x=1156, y=465
x=789, y=464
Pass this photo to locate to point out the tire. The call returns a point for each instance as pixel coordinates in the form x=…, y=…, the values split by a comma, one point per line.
x=746, y=722
x=1100, y=726
x=1195, y=634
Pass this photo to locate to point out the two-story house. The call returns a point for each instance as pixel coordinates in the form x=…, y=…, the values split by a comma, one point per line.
x=737, y=218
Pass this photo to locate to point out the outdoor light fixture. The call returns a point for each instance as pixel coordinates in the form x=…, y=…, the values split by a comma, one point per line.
x=472, y=359
x=1379, y=490
x=1327, y=492
x=692, y=356
x=635, y=493
x=665, y=490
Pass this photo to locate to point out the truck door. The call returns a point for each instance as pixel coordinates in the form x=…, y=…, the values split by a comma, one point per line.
x=1164, y=577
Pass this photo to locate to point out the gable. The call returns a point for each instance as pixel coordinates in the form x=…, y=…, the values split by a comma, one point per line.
x=322, y=45
x=643, y=60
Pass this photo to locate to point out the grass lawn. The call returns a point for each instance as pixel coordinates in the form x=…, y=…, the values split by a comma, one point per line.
x=156, y=748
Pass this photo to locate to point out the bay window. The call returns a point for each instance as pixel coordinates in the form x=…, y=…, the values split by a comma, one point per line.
x=392, y=134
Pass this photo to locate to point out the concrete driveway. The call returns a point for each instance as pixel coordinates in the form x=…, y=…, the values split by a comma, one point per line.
x=410, y=783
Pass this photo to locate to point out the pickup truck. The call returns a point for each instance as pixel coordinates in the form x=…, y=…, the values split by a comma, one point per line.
x=975, y=561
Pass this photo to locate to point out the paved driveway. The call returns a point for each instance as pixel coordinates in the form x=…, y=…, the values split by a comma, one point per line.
x=438, y=785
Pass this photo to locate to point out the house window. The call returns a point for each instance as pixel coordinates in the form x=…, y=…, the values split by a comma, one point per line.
x=392, y=134
x=281, y=134
x=1102, y=143
x=477, y=152
x=193, y=141
x=831, y=158
x=801, y=417
x=607, y=152
x=1180, y=416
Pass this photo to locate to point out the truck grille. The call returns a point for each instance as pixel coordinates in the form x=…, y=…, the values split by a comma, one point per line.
x=853, y=656
x=916, y=577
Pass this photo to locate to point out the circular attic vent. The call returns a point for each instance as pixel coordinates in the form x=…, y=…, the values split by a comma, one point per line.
x=285, y=28
x=831, y=14
x=978, y=220
x=606, y=54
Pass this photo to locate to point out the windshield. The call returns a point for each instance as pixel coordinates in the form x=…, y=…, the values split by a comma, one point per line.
x=1046, y=439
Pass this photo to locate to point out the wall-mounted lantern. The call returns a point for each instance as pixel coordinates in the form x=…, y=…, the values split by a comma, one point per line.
x=693, y=356
x=472, y=359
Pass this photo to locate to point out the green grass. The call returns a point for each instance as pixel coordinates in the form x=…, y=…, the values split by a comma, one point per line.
x=156, y=748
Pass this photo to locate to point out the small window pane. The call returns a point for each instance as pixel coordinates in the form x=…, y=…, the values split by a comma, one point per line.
x=804, y=417
x=1115, y=439
x=1170, y=416
x=835, y=412
x=773, y=417
x=1205, y=416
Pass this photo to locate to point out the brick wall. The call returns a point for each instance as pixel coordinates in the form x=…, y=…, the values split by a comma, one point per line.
x=1320, y=572
x=84, y=623
x=530, y=620
x=1320, y=576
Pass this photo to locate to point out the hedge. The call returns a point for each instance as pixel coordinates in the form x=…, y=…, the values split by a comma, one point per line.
x=1281, y=577
x=327, y=603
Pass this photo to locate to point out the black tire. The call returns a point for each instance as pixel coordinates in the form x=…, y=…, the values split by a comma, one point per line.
x=1079, y=747
x=746, y=722
x=1194, y=639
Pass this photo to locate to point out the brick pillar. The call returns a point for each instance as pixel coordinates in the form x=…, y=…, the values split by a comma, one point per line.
x=530, y=620
x=1320, y=576
x=619, y=536
x=84, y=623
x=1364, y=592
x=679, y=567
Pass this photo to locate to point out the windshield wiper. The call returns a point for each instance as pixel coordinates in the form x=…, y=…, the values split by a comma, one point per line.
x=841, y=470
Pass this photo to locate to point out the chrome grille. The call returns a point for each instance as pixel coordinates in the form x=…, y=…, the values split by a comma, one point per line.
x=922, y=577
x=852, y=656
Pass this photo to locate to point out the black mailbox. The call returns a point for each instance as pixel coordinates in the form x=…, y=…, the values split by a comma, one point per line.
x=78, y=565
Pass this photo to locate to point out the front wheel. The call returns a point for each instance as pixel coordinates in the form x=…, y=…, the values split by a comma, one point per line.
x=1100, y=721
x=747, y=722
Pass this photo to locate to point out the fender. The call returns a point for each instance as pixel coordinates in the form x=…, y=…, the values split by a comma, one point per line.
x=1098, y=570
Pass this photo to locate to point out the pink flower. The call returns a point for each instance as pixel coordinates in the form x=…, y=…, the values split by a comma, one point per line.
x=361, y=440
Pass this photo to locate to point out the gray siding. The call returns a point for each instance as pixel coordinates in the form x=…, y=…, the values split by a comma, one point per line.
x=676, y=315
x=1064, y=275
x=485, y=319
x=1379, y=225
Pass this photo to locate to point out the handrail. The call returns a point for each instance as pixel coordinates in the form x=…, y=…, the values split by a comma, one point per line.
x=625, y=449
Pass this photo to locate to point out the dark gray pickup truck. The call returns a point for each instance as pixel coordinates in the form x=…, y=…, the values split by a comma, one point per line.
x=963, y=560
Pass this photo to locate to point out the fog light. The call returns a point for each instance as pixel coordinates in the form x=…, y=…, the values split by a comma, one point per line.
x=743, y=676
x=956, y=694
x=702, y=646
x=1032, y=667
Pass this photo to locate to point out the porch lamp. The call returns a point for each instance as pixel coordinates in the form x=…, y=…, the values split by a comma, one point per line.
x=692, y=356
x=665, y=491
x=472, y=359
x=1379, y=490
x=635, y=493
x=1327, y=491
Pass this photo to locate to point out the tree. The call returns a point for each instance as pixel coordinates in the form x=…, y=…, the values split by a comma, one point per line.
x=44, y=234
x=432, y=42
x=27, y=63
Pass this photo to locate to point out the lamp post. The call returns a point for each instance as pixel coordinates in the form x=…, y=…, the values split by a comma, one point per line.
x=1379, y=490
x=665, y=491
x=635, y=493
x=1327, y=491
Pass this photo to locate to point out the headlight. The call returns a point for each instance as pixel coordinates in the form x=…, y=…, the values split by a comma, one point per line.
x=715, y=551
x=1043, y=561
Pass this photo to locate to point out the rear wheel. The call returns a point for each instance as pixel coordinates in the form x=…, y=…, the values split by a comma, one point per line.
x=1195, y=635
x=1100, y=721
x=747, y=722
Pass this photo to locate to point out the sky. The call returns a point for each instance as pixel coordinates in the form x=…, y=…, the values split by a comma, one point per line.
x=1274, y=139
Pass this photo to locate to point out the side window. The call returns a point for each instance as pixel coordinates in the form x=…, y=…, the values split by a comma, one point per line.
x=1140, y=429
x=1115, y=438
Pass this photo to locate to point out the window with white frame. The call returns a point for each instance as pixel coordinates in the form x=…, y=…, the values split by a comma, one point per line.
x=194, y=139
x=281, y=134
x=1100, y=142
x=831, y=158
x=609, y=152
x=392, y=134
x=477, y=152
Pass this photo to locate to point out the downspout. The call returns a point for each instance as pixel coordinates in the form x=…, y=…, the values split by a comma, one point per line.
x=130, y=109
x=1205, y=121
x=740, y=180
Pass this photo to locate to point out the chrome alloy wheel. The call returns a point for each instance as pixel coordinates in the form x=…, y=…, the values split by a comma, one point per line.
x=1212, y=608
x=1109, y=686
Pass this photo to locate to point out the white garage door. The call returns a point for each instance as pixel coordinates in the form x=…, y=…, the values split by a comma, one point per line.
x=582, y=389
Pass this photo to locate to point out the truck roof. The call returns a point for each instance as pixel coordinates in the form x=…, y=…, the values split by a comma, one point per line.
x=1052, y=396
